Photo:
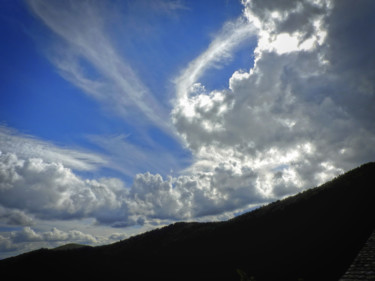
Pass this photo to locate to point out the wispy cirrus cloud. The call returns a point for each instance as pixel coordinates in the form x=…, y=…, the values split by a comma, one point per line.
x=86, y=47
x=26, y=146
x=131, y=159
x=220, y=50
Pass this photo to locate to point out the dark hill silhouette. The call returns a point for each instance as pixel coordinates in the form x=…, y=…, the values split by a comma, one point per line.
x=314, y=235
x=70, y=246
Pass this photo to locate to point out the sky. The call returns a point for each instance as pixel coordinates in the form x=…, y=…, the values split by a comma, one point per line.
x=117, y=117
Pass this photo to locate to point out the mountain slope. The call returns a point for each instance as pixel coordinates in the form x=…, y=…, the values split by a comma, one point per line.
x=70, y=246
x=314, y=235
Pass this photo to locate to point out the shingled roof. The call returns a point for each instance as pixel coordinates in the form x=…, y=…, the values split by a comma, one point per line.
x=363, y=266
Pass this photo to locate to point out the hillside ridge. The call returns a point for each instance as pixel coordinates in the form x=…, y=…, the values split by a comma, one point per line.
x=314, y=235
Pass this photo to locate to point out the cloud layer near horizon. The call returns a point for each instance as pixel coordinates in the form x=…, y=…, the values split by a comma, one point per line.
x=300, y=116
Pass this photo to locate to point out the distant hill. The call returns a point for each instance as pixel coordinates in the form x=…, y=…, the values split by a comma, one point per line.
x=70, y=246
x=314, y=235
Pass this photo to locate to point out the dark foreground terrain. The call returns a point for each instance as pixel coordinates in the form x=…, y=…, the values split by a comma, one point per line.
x=314, y=235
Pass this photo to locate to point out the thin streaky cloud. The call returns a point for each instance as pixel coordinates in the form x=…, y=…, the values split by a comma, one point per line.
x=82, y=27
x=131, y=159
x=221, y=48
x=12, y=141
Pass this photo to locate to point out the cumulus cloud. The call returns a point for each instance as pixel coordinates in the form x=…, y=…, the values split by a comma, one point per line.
x=301, y=115
x=118, y=236
x=196, y=195
x=15, y=217
x=35, y=189
x=27, y=239
x=50, y=190
x=6, y=245
x=27, y=234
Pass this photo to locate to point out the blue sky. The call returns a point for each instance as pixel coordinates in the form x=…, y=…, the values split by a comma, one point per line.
x=37, y=100
x=117, y=117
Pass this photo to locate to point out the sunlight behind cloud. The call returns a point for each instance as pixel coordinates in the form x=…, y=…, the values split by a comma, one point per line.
x=285, y=43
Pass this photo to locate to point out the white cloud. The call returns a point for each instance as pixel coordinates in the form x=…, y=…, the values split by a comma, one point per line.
x=15, y=217
x=28, y=239
x=50, y=190
x=118, y=236
x=6, y=245
x=35, y=189
x=27, y=234
x=292, y=118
